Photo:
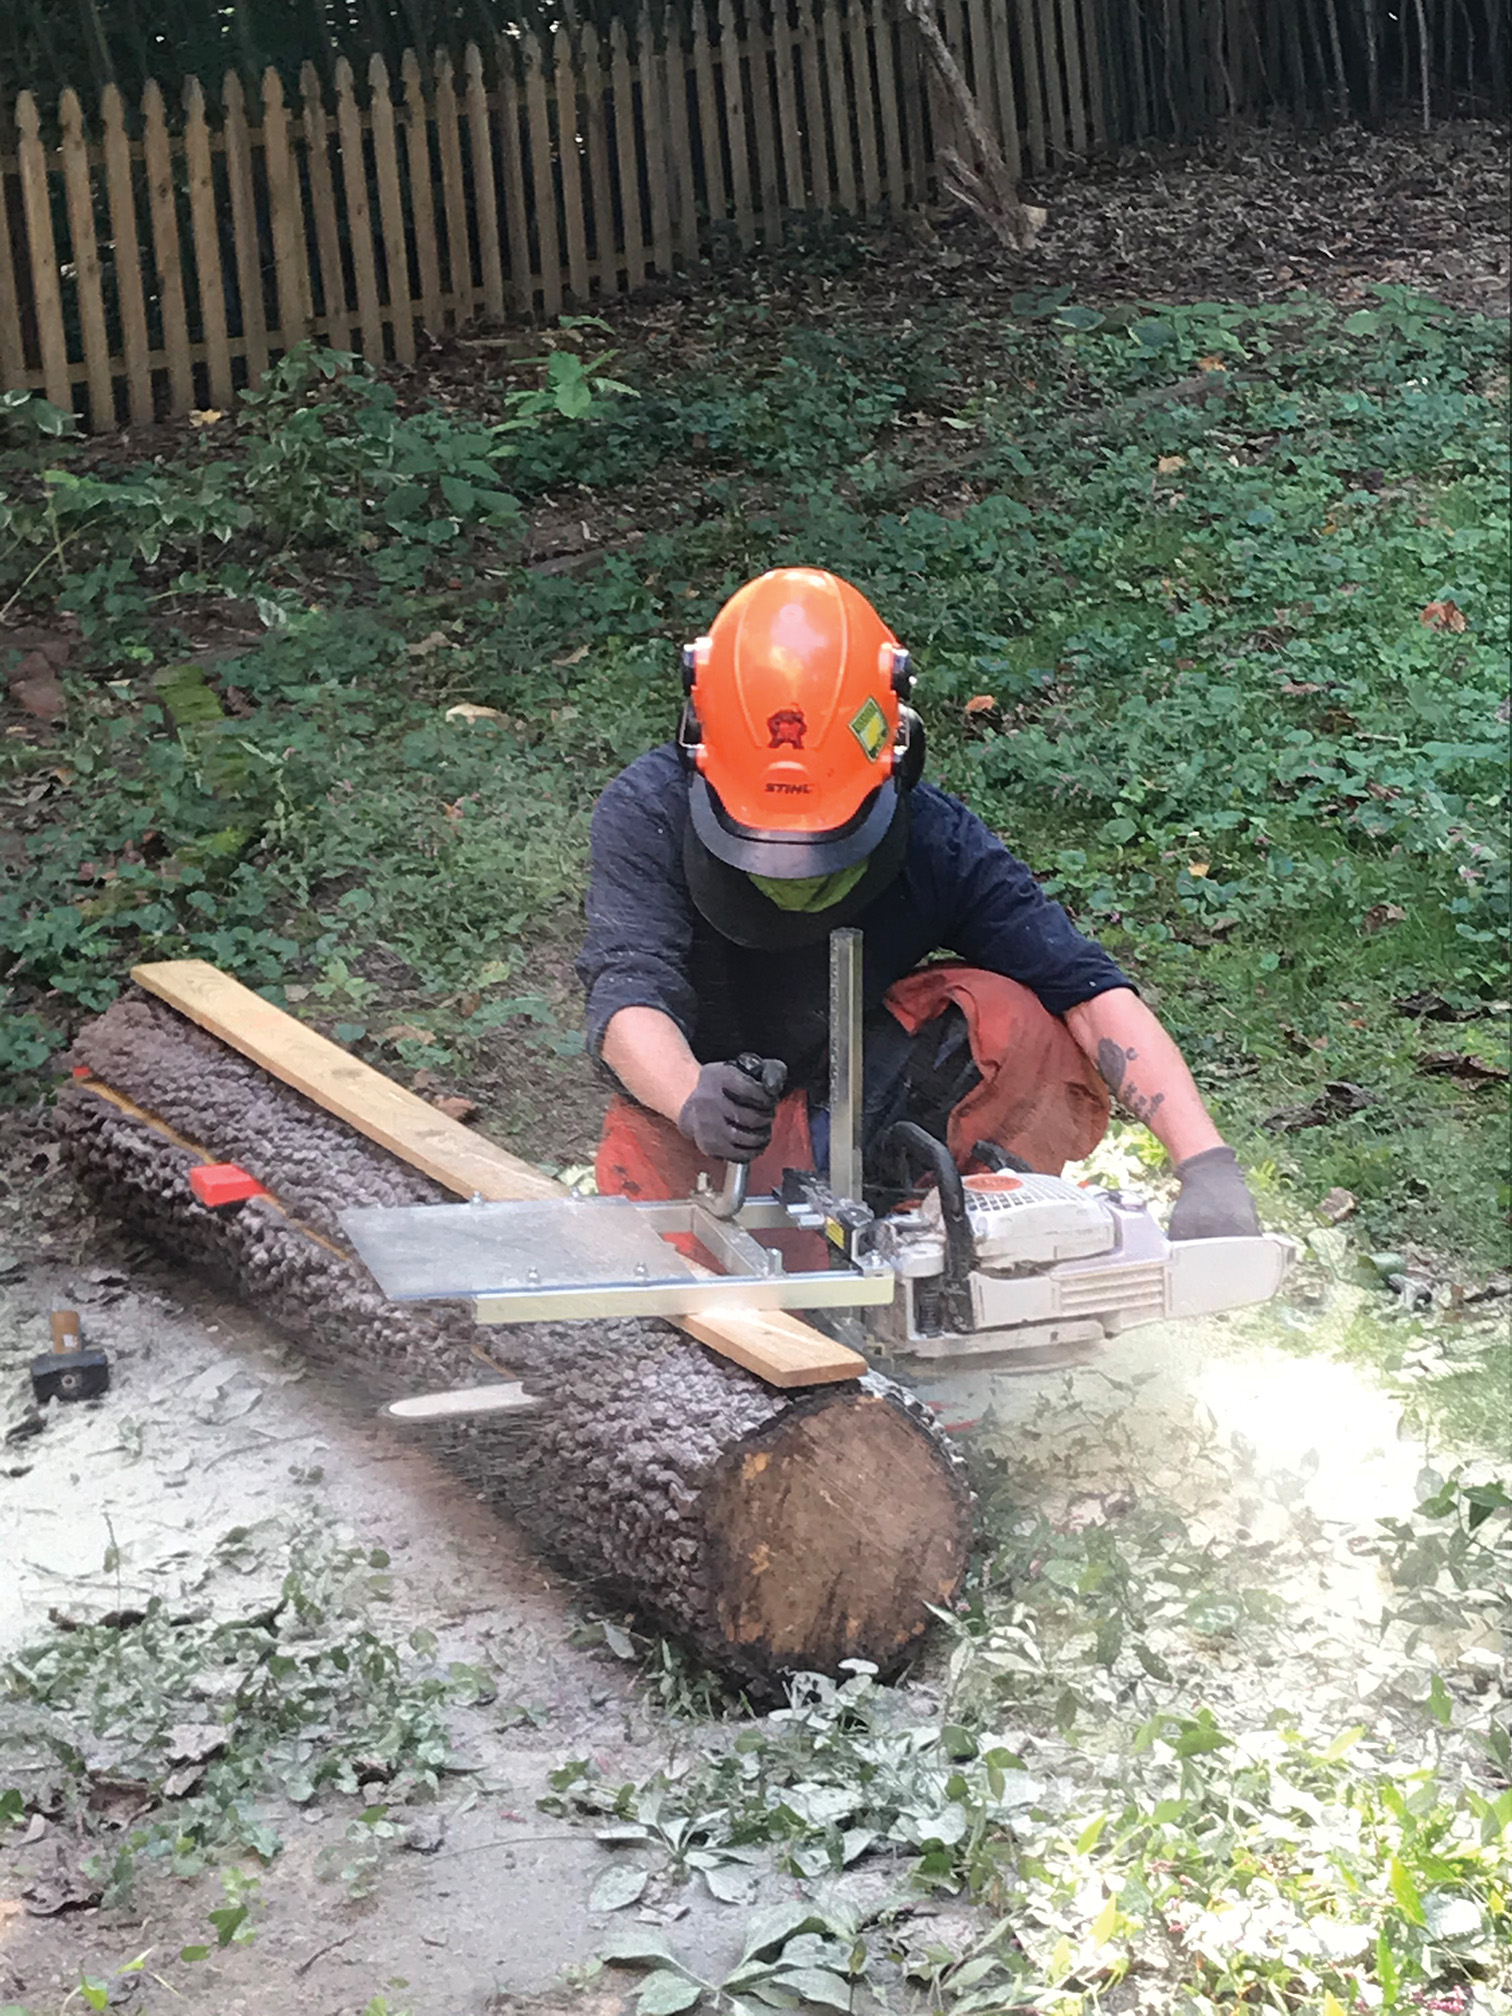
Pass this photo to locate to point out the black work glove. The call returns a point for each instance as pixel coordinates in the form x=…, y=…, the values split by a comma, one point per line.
x=1215, y=1202
x=729, y=1112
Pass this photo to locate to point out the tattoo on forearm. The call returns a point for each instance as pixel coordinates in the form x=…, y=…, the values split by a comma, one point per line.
x=1113, y=1062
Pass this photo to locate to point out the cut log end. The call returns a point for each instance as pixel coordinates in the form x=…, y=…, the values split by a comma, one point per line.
x=832, y=1531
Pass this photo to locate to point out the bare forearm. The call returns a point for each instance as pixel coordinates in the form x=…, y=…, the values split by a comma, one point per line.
x=1144, y=1070
x=649, y=1055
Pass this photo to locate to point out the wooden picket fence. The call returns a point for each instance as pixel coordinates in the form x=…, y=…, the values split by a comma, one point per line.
x=151, y=265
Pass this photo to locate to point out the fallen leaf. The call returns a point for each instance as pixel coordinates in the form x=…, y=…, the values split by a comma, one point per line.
x=1467, y=1069
x=423, y=1081
x=205, y=416
x=467, y=710
x=1211, y=364
x=1336, y=1101
x=982, y=703
x=455, y=1106
x=1379, y=915
x=1338, y=1205
x=179, y=1784
x=1197, y=868
x=1297, y=689
x=436, y=641
x=573, y=657
x=407, y=1032
x=41, y=698
x=1443, y=616
x=1166, y=465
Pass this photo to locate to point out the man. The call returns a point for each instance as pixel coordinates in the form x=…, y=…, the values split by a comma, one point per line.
x=793, y=802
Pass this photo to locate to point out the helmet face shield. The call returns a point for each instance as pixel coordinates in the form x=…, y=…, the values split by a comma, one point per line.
x=793, y=726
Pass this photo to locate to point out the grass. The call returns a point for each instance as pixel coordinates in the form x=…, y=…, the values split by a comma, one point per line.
x=1225, y=668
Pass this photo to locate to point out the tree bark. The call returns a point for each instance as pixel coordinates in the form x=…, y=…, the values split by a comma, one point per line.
x=772, y=1531
x=974, y=173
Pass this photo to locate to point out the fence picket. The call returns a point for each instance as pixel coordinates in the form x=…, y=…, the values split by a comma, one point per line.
x=543, y=182
x=86, y=261
x=47, y=300
x=1034, y=84
x=333, y=293
x=513, y=156
x=453, y=195
x=354, y=179
x=244, y=236
x=391, y=212
x=887, y=106
x=1092, y=50
x=914, y=135
x=760, y=53
x=485, y=188
x=570, y=163
x=1000, y=39
x=864, y=98
x=13, y=372
x=165, y=246
x=605, y=260
x=709, y=144
x=732, y=89
x=285, y=216
x=205, y=237
x=680, y=144
x=631, y=220
x=654, y=124
x=790, y=151
x=839, y=106
x=813, y=109
x=417, y=156
x=1076, y=108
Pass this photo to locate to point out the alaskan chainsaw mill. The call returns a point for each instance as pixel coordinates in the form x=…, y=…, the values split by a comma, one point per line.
x=1003, y=1271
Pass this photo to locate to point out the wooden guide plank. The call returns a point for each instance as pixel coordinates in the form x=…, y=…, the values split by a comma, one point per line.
x=521, y=272
x=654, y=128
x=631, y=220
x=772, y=1344
x=790, y=151
x=86, y=263
x=887, y=96
x=543, y=182
x=249, y=272
x=710, y=145
x=864, y=96
x=359, y=217
x=333, y=292
x=391, y=211
x=285, y=216
x=47, y=299
x=422, y=208
x=485, y=184
x=605, y=259
x=732, y=89
x=453, y=195
x=832, y=63
x=570, y=162
x=165, y=245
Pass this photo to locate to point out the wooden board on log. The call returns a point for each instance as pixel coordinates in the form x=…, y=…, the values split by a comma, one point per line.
x=775, y=1346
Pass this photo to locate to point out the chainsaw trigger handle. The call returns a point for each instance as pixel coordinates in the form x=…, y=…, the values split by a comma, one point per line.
x=770, y=1073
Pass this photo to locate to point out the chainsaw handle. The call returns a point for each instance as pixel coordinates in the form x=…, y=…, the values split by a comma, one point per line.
x=771, y=1074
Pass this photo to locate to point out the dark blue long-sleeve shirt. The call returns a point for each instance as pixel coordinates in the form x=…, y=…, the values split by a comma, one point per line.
x=959, y=890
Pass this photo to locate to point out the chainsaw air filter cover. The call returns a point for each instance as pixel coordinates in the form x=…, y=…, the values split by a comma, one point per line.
x=1030, y=1220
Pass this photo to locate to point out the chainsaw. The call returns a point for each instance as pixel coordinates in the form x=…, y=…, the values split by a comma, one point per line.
x=1006, y=1269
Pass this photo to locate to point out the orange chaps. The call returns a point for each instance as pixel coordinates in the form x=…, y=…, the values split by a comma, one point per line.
x=1038, y=1097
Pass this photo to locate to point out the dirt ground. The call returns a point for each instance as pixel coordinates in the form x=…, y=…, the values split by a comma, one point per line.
x=215, y=1428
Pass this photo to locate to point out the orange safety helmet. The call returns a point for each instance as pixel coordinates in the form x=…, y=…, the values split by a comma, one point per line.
x=795, y=730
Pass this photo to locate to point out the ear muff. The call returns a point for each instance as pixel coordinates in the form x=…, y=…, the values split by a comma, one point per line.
x=908, y=750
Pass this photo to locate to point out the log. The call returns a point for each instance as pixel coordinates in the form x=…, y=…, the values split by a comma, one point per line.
x=773, y=1531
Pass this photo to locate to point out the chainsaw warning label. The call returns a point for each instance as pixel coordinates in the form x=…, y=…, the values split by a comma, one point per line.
x=869, y=726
